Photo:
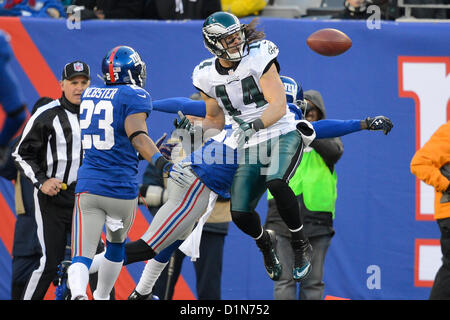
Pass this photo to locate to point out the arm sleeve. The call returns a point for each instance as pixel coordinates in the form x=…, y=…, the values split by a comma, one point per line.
x=330, y=128
x=187, y=106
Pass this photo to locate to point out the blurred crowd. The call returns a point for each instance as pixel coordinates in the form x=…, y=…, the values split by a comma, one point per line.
x=200, y=9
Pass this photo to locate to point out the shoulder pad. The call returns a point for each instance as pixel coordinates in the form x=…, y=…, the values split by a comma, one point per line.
x=201, y=72
x=264, y=48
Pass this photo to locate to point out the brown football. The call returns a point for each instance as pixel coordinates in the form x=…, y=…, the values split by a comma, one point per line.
x=329, y=42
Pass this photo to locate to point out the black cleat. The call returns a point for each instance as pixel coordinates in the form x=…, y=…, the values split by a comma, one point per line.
x=137, y=296
x=267, y=244
x=303, y=252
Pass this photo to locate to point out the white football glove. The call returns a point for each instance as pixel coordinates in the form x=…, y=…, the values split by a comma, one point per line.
x=181, y=174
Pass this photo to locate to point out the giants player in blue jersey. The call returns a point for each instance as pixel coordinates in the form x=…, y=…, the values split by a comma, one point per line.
x=113, y=131
x=10, y=98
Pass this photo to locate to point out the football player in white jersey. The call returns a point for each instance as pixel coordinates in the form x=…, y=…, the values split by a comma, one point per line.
x=242, y=82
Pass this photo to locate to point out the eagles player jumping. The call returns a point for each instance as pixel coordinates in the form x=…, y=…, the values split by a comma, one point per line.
x=242, y=81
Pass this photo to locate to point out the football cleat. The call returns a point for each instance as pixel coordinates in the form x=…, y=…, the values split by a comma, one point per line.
x=302, y=259
x=267, y=245
x=137, y=296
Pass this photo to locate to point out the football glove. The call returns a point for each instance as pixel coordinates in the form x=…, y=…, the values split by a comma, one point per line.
x=181, y=174
x=246, y=130
x=159, y=142
x=166, y=149
x=184, y=122
x=379, y=123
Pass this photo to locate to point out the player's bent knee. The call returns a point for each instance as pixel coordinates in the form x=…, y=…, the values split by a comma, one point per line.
x=248, y=222
x=276, y=186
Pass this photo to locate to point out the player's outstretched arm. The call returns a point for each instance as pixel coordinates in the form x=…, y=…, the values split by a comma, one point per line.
x=136, y=129
x=185, y=105
x=332, y=128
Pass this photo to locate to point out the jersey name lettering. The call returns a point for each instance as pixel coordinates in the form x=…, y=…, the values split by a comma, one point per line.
x=100, y=93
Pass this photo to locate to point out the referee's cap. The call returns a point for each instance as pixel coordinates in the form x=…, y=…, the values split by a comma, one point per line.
x=75, y=68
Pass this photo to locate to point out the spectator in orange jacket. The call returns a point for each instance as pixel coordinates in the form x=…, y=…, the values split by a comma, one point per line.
x=431, y=164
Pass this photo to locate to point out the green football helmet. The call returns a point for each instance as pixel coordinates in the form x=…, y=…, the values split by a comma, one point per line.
x=219, y=26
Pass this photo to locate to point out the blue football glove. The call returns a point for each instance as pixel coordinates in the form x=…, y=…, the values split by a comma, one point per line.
x=379, y=123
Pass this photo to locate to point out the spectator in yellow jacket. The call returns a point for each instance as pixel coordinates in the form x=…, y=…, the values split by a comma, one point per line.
x=243, y=8
x=431, y=164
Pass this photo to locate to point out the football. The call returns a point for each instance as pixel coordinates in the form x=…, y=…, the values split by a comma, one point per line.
x=329, y=42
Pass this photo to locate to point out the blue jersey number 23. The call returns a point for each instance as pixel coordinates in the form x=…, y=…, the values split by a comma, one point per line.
x=103, y=124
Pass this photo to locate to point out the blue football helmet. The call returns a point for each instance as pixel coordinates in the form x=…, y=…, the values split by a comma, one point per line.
x=123, y=65
x=294, y=91
x=294, y=94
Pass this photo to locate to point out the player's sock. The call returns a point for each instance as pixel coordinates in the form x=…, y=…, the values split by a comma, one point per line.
x=96, y=262
x=107, y=276
x=288, y=207
x=149, y=276
x=248, y=222
x=78, y=278
x=298, y=234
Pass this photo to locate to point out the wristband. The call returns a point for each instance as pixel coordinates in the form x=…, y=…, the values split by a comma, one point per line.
x=155, y=158
x=161, y=164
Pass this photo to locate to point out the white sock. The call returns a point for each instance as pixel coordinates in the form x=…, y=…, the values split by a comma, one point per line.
x=108, y=272
x=149, y=276
x=78, y=278
x=96, y=262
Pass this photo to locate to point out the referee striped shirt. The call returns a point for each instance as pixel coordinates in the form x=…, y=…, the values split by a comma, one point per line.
x=50, y=145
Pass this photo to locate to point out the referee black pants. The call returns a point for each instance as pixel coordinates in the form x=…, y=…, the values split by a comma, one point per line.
x=54, y=222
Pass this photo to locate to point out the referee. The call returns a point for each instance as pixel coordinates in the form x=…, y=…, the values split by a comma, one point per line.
x=49, y=153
